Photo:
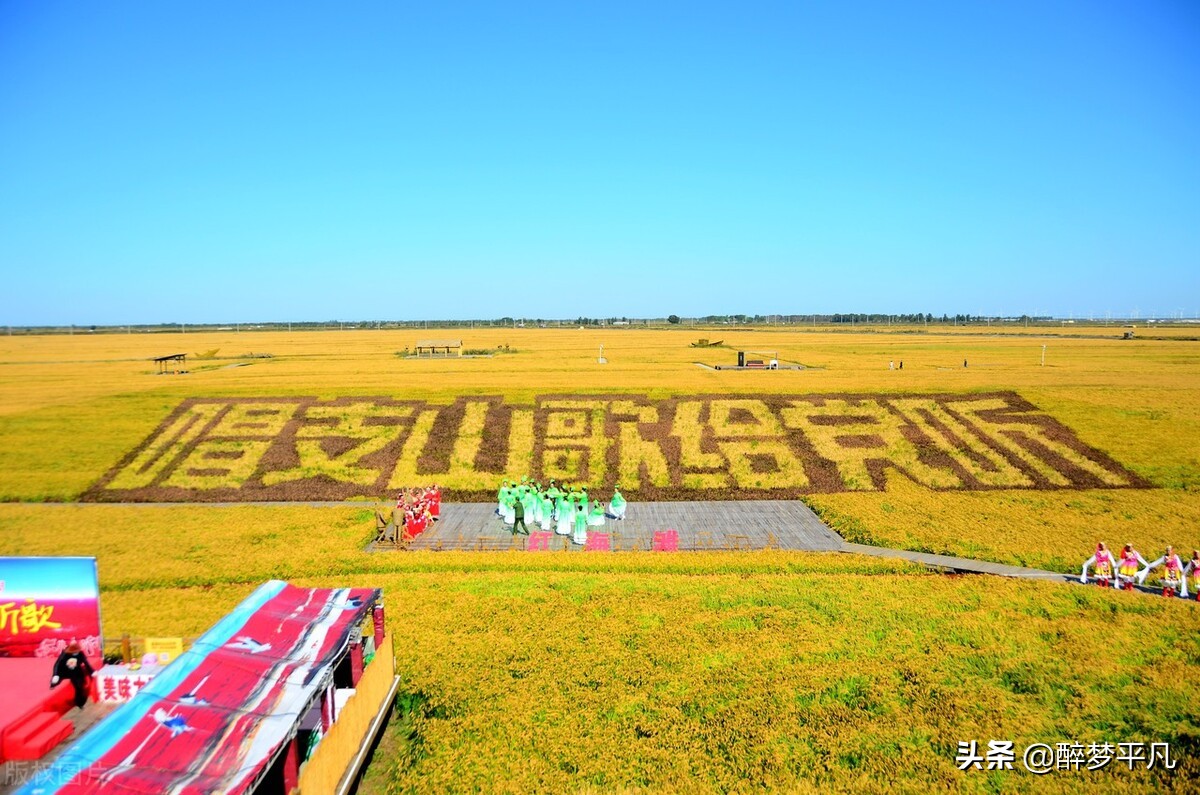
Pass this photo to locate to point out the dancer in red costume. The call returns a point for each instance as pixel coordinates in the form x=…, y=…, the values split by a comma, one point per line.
x=1127, y=567
x=1105, y=565
x=1173, y=579
x=1193, y=569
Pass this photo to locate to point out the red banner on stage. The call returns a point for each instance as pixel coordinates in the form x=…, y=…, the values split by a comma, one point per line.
x=45, y=603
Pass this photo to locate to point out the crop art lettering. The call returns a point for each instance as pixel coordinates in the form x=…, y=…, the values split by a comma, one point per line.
x=692, y=447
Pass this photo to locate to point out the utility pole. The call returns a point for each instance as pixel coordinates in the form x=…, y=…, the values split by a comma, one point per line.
x=1043, y=356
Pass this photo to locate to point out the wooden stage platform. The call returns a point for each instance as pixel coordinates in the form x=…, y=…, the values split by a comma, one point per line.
x=716, y=525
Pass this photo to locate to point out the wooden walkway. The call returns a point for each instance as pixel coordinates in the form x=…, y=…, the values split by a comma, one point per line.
x=716, y=525
x=959, y=565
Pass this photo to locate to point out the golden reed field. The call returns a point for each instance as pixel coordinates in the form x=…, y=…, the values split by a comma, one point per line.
x=72, y=408
x=697, y=672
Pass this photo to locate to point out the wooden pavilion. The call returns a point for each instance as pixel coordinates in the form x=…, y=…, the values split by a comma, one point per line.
x=439, y=347
x=174, y=364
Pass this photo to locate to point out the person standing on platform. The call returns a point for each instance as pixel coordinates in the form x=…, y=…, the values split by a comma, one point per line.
x=519, y=518
x=510, y=502
x=616, y=506
x=72, y=664
x=502, y=499
x=533, y=509
x=581, y=524
x=566, y=515
x=435, y=502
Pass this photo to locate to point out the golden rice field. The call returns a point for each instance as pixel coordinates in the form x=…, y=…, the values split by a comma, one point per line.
x=72, y=406
x=681, y=672
x=686, y=672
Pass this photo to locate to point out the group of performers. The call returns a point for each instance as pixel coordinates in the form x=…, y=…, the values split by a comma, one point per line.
x=416, y=509
x=1122, y=571
x=566, y=509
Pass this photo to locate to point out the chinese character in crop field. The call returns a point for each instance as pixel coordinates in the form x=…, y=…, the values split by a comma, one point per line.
x=342, y=441
x=748, y=446
x=575, y=441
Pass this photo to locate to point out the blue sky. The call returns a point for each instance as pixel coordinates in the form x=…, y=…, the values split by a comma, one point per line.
x=44, y=578
x=232, y=162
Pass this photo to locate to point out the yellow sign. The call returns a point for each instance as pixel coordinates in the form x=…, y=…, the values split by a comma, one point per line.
x=165, y=649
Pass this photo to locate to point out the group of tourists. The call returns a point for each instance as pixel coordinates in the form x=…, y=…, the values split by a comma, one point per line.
x=1122, y=571
x=417, y=509
x=566, y=509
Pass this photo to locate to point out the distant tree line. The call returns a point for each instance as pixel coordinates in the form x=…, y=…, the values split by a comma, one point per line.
x=837, y=318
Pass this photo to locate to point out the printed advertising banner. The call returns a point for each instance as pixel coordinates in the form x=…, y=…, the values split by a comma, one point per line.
x=47, y=602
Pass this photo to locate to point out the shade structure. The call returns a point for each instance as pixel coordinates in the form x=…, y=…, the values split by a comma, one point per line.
x=216, y=718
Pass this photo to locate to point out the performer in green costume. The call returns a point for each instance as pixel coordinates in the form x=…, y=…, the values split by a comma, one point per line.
x=529, y=501
x=596, y=518
x=510, y=502
x=566, y=517
x=581, y=520
x=616, y=508
x=501, y=498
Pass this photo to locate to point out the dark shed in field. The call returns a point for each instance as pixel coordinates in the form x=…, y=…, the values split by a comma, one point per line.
x=173, y=364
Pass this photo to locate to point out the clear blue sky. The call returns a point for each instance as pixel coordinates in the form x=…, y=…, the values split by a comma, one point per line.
x=221, y=162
